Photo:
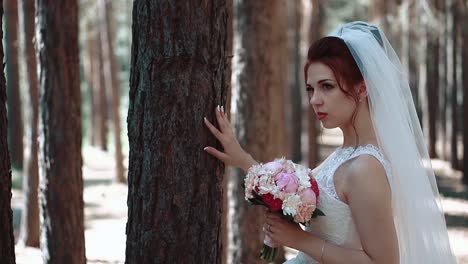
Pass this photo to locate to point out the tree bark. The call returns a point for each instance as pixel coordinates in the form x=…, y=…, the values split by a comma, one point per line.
x=29, y=234
x=316, y=32
x=296, y=83
x=178, y=76
x=15, y=126
x=228, y=170
x=61, y=183
x=112, y=84
x=432, y=67
x=465, y=90
x=7, y=240
x=261, y=68
x=456, y=31
x=98, y=97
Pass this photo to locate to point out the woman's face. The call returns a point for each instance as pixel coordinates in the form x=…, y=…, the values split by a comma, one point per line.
x=331, y=105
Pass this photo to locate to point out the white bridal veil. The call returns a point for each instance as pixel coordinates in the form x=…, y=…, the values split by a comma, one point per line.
x=418, y=216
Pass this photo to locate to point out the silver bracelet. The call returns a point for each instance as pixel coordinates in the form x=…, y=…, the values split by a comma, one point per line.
x=323, y=249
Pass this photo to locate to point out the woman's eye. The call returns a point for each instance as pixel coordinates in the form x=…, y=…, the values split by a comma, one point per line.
x=327, y=86
x=310, y=89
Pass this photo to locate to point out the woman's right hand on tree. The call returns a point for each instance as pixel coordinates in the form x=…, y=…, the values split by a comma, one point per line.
x=233, y=154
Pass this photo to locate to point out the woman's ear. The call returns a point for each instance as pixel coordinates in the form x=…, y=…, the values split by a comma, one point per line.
x=362, y=90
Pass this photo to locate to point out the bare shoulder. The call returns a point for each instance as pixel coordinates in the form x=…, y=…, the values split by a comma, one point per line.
x=366, y=170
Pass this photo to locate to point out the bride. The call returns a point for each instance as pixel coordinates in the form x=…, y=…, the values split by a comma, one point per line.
x=378, y=189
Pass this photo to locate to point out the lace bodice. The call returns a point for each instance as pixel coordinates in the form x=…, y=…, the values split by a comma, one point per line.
x=337, y=226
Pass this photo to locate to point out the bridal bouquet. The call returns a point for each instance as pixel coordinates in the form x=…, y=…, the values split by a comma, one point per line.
x=286, y=188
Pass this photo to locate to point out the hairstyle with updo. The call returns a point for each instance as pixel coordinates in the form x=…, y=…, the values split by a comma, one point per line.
x=333, y=52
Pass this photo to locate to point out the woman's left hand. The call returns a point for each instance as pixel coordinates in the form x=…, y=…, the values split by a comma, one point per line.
x=282, y=231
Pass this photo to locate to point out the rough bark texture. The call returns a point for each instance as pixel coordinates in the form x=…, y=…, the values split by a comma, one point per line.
x=111, y=72
x=29, y=235
x=316, y=32
x=7, y=240
x=61, y=183
x=178, y=76
x=15, y=126
x=261, y=65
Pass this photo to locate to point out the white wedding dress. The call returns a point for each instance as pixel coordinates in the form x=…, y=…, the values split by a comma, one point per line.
x=337, y=226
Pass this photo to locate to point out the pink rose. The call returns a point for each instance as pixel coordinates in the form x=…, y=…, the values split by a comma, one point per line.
x=287, y=182
x=304, y=213
x=274, y=166
x=308, y=197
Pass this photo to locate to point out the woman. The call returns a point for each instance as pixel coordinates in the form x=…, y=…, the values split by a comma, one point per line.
x=378, y=191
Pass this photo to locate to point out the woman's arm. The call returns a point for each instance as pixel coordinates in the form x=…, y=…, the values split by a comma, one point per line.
x=233, y=154
x=369, y=198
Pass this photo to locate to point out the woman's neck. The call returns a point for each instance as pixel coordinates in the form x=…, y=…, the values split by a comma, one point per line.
x=363, y=131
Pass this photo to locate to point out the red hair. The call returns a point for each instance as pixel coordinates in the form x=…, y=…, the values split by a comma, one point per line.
x=334, y=53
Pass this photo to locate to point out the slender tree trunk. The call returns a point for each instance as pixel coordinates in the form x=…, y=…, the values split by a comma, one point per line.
x=432, y=64
x=29, y=235
x=445, y=82
x=112, y=83
x=296, y=83
x=414, y=58
x=89, y=68
x=99, y=102
x=227, y=179
x=15, y=126
x=7, y=240
x=316, y=32
x=178, y=76
x=101, y=93
x=259, y=59
x=61, y=182
x=456, y=47
x=423, y=78
x=465, y=90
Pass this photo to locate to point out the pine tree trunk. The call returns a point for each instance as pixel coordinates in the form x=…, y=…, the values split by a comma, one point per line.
x=61, y=182
x=445, y=82
x=7, y=240
x=297, y=80
x=456, y=47
x=228, y=170
x=30, y=217
x=432, y=64
x=316, y=32
x=89, y=68
x=111, y=81
x=465, y=91
x=99, y=100
x=259, y=59
x=15, y=124
x=178, y=76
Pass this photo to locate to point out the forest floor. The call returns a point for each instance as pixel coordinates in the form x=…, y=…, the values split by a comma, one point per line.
x=106, y=208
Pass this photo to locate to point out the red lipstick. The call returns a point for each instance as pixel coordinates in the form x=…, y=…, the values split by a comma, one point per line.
x=321, y=115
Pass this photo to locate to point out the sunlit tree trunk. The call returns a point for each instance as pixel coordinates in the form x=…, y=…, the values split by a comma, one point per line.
x=112, y=85
x=227, y=192
x=261, y=65
x=316, y=32
x=29, y=235
x=296, y=80
x=15, y=124
x=61, y=182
